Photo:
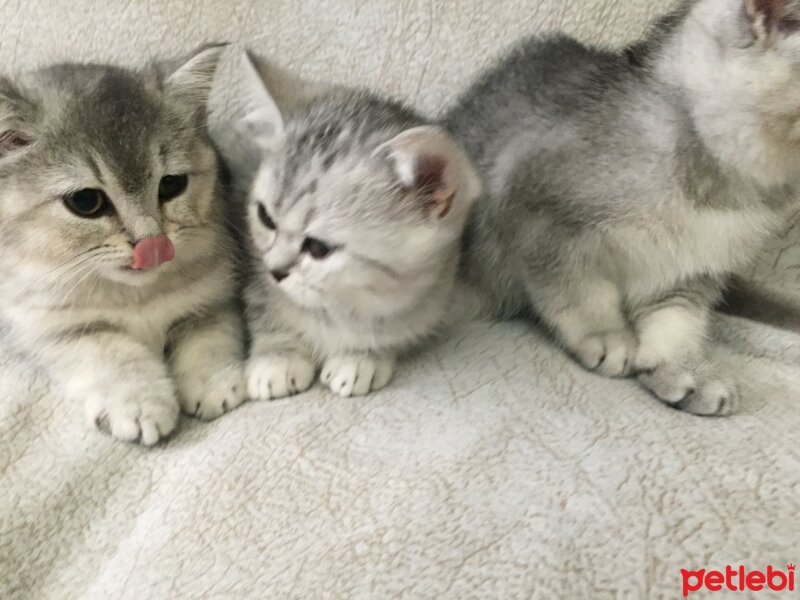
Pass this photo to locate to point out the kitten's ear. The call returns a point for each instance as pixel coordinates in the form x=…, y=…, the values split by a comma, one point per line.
x=262, y=121
x=771, y=18
x=15, y=110
x=429, y=163
x=192, y=81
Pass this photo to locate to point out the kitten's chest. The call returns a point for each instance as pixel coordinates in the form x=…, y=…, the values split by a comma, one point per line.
x=150, y=317
x=151, y=323
x=330, y=334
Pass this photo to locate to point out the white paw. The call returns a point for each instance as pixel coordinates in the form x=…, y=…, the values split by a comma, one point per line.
x=211, y=394
x=610, y=353
x=357, y=375
x=692, y=391
x=146, y=415
x=279, y=375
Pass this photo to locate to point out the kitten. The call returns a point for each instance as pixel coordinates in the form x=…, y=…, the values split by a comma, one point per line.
x=114, y=245
x=623, y=187
x=356, y=214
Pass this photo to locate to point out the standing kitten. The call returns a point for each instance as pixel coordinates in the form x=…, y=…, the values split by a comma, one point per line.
x=114, y=246
x=622, y=188
x=356, y=216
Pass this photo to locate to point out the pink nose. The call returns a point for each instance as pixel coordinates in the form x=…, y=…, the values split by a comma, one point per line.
x=152, y=252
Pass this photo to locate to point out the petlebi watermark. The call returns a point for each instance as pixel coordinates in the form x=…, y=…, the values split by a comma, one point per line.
x=739, y=579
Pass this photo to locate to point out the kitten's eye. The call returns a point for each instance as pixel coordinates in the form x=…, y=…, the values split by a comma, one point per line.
x=264, y=217
x=88, y=203
x=317, y=248
x=172, y=186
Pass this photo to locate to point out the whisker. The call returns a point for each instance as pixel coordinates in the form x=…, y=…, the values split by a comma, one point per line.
x=91, y=290
x=88, y=273
x=71, y=263
x=61, y=272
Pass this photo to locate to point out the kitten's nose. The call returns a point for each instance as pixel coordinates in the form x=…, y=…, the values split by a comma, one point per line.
x=280, y=275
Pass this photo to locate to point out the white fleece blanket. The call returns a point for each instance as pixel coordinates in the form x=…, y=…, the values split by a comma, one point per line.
x=492, y=467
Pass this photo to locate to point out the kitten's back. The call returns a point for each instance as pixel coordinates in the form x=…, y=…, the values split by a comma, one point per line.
x=556, y=80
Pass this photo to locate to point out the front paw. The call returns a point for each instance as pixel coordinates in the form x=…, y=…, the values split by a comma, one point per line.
x=209, y=395
x=357, y=375
x=692, y=390
x=610, y=353
x=275, y=376
x=145, y=415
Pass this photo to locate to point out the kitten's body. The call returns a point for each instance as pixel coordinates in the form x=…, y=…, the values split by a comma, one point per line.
x=623, y=187
x=389, y=195
x=71, y=292
x=328, y=331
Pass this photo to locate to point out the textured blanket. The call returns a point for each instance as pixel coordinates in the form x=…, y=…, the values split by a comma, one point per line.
x=492, y=467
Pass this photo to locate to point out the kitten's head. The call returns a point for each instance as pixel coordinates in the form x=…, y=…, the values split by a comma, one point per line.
x=106, y=171
x=358, y=205
x=740, y=62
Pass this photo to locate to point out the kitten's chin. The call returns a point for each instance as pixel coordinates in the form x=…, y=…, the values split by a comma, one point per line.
x=132, y=277
x=303, y=296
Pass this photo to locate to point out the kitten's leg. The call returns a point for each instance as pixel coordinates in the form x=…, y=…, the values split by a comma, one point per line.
x=279, y=366
x=587, y=316
x=207, y=358
x=671, y=357
x=280, y=363
x=357, y=374
x=126, y=386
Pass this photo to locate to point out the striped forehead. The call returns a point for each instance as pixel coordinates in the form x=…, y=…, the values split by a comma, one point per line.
x=296, y=217
x=115, y=127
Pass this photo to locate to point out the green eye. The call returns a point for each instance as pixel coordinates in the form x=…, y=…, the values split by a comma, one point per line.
x=88, y=203
x=172, y=186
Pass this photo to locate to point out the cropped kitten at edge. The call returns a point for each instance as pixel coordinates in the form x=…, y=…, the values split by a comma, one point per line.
x=622, y=188
x=356, y=216
x=114, y=245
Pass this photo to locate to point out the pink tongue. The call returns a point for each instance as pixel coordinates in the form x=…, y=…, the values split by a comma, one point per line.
x=152, y=252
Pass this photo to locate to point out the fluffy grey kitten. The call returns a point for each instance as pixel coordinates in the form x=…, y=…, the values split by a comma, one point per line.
x=623, y=187
x=113, y=243
x=356, y=214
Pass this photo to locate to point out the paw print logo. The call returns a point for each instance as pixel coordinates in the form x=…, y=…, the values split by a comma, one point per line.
x=791, y=566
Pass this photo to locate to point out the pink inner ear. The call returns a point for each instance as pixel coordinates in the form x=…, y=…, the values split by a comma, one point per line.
x=431, y=182
x=772, y=11
x=13, y=140
x=430, y=174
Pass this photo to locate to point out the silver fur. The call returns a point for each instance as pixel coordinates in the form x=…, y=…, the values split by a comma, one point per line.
x=622, y=188
x=66, y=293
x=346, y=168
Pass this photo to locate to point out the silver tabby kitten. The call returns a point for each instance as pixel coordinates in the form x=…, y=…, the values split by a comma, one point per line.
x=623, y=187
x=113, y=245
x=356, y=215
